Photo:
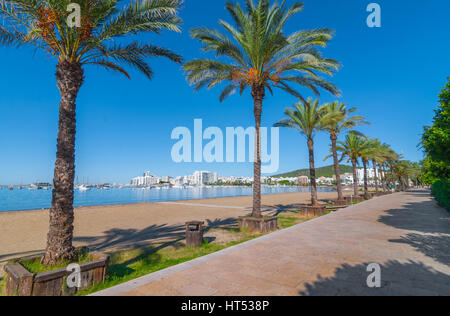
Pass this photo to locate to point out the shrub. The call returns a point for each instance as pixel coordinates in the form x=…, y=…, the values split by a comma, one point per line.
x=441, y=191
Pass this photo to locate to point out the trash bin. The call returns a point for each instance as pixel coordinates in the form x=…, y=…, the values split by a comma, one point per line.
x=194, y=234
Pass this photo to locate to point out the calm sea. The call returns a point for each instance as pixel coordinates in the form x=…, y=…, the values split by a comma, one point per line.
x=25, y=199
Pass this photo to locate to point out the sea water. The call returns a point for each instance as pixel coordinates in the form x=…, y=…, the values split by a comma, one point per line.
x=26, y=199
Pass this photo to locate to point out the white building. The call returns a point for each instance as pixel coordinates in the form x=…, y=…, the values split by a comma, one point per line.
x=205, y=177
x=360, y=174
x=145, y=181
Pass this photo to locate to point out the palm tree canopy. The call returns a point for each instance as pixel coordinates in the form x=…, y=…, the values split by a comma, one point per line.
x=338, y=118
x=352, y=147
x=256, y=53
x=43, y=25
x=305, y=117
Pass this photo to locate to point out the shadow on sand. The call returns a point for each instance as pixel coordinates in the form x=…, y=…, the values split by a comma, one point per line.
x=133, y=238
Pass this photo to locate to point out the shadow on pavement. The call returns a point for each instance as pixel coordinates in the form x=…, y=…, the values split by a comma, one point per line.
x=411, y=278
x=435, y=247
x=420, y=217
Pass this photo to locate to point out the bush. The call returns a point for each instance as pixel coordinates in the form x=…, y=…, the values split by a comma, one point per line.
x=441, y=191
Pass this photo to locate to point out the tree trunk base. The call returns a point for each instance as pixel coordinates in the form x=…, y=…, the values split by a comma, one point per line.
x=351, y=199
x=21, y=282
x=263, y=224
x=340, y=202
x=313, y=210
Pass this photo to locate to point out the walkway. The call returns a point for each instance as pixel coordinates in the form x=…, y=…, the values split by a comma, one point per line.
x=406, y=233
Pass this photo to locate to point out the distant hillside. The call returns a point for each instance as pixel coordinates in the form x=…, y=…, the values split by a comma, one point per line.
x=327, y=172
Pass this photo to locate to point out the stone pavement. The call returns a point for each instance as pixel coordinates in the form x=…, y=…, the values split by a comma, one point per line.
x=406, y=233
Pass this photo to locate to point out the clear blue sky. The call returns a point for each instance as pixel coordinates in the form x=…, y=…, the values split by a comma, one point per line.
x=392, y=74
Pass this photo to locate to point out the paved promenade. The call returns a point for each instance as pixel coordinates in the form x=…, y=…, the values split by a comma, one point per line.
x=407, y=234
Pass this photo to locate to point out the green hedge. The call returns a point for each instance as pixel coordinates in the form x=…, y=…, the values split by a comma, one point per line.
x=441, y=191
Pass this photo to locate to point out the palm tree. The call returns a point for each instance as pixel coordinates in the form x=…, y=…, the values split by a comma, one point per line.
x=306, y=117
x=256, y=53
x=351, y=148
x=367, y=151
x=385, y=154
x=377, y=157
x=402, y=170
x=43, y=24
x=336, y=121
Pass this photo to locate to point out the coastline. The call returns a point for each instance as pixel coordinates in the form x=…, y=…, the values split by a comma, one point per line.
x=165, y=200
x=106, y=228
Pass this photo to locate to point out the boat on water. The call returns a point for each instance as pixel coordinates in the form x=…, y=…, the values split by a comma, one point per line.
x=82, y=188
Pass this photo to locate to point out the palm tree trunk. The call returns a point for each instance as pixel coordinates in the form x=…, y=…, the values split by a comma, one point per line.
x=366, y=189
x=258, y=94
x=392, y=177
x=355, y=178
x=336, y=167
x=69, y=78
x=383, y=177
x=312, y=173
x=375, y=175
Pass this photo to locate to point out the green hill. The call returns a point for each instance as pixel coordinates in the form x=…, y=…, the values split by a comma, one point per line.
x=327, y=172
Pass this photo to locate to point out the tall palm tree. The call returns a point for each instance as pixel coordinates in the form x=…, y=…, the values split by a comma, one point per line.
x=255, y=53
x=351, y=148
x=338, y=119
x=368, y=150
x=306, y=117
x=402, y=170
x=43, y=24
x=385, y=154
x=377, y=157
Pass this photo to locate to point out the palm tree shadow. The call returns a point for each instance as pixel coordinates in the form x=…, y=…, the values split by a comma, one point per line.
x=283, y=208
x=411, y=278
x=435, y=247
x=134, y=238
x=145, y=243
x=418, y=216
x=130, y=238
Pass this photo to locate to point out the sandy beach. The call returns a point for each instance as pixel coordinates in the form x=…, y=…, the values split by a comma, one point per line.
x=123, y=226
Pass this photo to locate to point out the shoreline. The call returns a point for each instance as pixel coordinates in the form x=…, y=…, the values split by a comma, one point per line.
x=167, y=200
x=107, y=227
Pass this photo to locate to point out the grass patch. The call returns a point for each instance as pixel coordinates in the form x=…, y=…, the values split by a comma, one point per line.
x=131, y=264
x=292, y=218
x=2, y=285
x=126, y=265
x=34, y=265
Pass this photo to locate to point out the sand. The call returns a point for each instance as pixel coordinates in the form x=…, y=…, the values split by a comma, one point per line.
x=115, y=227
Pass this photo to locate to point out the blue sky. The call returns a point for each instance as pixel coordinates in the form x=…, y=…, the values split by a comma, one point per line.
x=391, y=74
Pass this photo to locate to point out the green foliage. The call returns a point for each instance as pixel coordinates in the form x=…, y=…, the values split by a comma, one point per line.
x=338, y=119
x=436, y=141
x=42, y=24
x=255, y=52
x=286, y=182
x=436, y=144
x=441, y=191
x=2, y=285
x=305, y=117
x=327, y=172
